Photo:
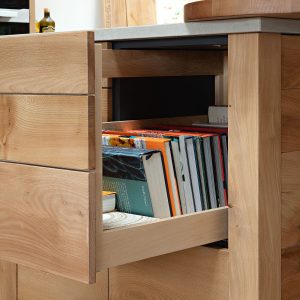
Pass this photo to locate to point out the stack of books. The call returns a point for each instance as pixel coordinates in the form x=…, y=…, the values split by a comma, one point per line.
x=167, y=171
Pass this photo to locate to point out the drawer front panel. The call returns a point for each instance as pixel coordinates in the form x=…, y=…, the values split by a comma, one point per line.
x=196, y=274
x=56, y=131
x=47, y=220
x=57, y=63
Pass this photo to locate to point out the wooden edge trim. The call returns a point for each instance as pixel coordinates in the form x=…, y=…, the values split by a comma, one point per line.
x=138, y=124
x=32, y=16
x=91, y=62
x=151, y=63
x=98, y=144
x=118, y=247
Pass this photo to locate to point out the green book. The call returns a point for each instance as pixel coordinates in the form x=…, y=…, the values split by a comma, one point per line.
x=137, y=176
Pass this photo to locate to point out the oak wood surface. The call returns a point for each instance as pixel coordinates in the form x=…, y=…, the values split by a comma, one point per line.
x=47, y=219
x=291, y=273
x=290, y=199
x=141, y=12
x=196, y=274
x=221, y=84
x=106, y=100
x=211, y=9
x=114, y=13
x=123, y=13
x=37, y=285
x=290, y=105
x=45, y=63
x=151, y=63
x=166, y=236
x=8, y=281
x=48, y=130
x=138, y=124
x=290, y=61
x=32, y=16
x=254, y=166
x=106, y=82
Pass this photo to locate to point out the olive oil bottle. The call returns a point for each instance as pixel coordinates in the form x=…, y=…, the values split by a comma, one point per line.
x=47, y=24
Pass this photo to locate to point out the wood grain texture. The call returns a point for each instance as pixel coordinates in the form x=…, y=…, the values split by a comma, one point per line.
x=290, y=62
x=123, y=13
x=37, y=285
x=141, y=12
x=254, y=166
x=195, y=274
x=290, y=106
x=47, y=220
x=221, y=84
x=114, y=13
x=290, y=199
x=46, y=64
x=166, y=236
x=291, y=273
x=106, y=82
x=149, y=63
x=138, y=124
x=204, y=9
x=48, y=130
x=32, y=16
x=8, y=281
x=107, y=109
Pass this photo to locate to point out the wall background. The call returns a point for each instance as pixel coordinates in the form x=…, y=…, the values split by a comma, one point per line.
x=71, y=15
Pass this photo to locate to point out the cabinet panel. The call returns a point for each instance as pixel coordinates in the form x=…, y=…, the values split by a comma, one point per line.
x=56, y=131
x=57, y=63
x=290, y=199
x=196, y=274
x=37, y=285
x=47, y=220
x=291, y=273
x=8, y=281
x=290, y=104
x=290, y=62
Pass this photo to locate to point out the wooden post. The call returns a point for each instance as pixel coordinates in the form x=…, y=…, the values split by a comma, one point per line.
x=8, y=281
x=254, y=70
x=32, y=16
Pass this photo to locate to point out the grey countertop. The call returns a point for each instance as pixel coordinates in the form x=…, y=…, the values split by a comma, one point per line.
x=203, y=28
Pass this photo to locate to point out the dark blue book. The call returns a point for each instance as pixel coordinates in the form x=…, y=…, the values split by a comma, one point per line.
x=137, y=176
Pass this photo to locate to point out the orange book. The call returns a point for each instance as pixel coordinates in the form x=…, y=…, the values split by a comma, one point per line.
x=161, y=144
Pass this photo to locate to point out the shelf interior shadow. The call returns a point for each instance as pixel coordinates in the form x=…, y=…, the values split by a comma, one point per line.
x=162, y=97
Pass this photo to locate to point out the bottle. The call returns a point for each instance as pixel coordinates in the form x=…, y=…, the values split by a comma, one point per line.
x=47, y=24
x=37, y=26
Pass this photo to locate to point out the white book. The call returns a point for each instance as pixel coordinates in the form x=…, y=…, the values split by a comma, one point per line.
x=179, y=174
x=189, y=197
x=218, y=114
x=108, y=201
x=210, y=173
x=195, y=177
x=116, y=219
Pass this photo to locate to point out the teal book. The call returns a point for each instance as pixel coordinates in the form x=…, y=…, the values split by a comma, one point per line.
x=134, y=175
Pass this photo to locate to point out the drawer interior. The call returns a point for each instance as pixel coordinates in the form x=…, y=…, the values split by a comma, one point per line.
x=147, y=240
x=162, y=68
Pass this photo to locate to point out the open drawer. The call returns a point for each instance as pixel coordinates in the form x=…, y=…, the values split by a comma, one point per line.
x=51, y=165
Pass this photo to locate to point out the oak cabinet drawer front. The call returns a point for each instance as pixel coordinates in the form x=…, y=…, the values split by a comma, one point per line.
x=48, y=130
x=162, y=237
x=47, y=220
x=57, y=63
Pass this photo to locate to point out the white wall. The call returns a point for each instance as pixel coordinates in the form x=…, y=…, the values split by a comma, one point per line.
x=71, y=15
